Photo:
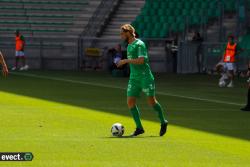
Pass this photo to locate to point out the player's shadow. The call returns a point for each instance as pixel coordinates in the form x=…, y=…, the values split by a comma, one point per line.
x=223, y=119
x=130, y=137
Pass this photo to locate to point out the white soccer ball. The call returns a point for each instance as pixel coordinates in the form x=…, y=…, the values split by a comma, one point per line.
x=222, y=84
x=117, y=130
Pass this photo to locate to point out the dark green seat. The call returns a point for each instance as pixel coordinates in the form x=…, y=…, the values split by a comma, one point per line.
x=180, y=19
x=162, y=19
x=175, y=15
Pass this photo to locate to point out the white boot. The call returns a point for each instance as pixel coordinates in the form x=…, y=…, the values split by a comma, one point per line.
x=223, y=77
x=230, y=85
x=22, y=68
x=26, y=67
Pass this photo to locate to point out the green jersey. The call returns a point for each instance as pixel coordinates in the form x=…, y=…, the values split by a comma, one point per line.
x=139, y=71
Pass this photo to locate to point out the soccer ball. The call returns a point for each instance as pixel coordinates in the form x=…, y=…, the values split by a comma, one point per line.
x=222, y=84
x=117, y=130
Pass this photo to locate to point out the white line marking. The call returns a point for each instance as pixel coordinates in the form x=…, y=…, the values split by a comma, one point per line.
x=117, y=87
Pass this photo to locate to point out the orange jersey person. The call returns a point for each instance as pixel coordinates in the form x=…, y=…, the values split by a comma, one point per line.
x=227, y=65
x=20, y=44
x=230, y=53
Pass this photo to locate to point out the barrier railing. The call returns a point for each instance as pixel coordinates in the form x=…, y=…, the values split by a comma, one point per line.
x=194, y=57
x=107, y=43
x=54, y=53
x=44, y=53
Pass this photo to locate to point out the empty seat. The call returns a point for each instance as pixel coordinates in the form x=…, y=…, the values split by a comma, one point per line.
x=178, y=14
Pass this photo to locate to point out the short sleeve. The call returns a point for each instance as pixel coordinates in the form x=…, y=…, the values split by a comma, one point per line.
x=142, y=51
x=238, y=47
x=22, y=38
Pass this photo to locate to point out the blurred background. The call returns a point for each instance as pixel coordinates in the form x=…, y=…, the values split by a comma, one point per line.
x=183, y=36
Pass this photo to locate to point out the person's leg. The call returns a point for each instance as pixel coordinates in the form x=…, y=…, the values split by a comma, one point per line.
x=16, y=61
x=198, y=59
x=247, y=107
x=175, y=62
x=248, y=97
x=134, y=111
x=158, y=108
x=149, y=90
x=231, y=77
x=23, y=61
x=230, y=74
x=221, y=69
x=134, y=91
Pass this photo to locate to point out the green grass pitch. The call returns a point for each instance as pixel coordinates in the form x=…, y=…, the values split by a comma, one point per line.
x=64, y=119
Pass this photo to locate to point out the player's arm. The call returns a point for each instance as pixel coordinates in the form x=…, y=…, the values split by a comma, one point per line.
x=239, y=49
x=138, y=61
x=5, y=70
x=23, y=45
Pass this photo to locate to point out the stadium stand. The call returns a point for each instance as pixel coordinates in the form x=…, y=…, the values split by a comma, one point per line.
x=45, y=18
x=158, y=18
x=51, y=29
x=55, y=29
x=126, y=13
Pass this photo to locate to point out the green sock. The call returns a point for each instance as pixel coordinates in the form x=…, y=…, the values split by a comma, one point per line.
x=157, y=107
x=136, y=115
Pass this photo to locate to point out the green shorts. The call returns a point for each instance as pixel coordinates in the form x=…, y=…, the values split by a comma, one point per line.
x=135, y=87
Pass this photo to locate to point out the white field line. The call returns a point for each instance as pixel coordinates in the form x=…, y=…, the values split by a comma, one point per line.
x=117, y=87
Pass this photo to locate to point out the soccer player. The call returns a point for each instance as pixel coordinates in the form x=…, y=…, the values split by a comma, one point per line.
x=247, y=107
x=20, y=44
x=4, y=66
x=141, y=79
x=226, y=66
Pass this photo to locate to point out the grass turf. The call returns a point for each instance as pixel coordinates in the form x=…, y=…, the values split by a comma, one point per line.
x=64, y=119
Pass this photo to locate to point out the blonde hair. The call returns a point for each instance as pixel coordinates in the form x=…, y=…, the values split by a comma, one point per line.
x=128, y=28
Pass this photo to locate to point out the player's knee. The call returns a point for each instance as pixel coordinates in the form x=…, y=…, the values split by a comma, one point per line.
x=231, y=73
x=219, y=68
x=152, y=101
x=131, y=103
